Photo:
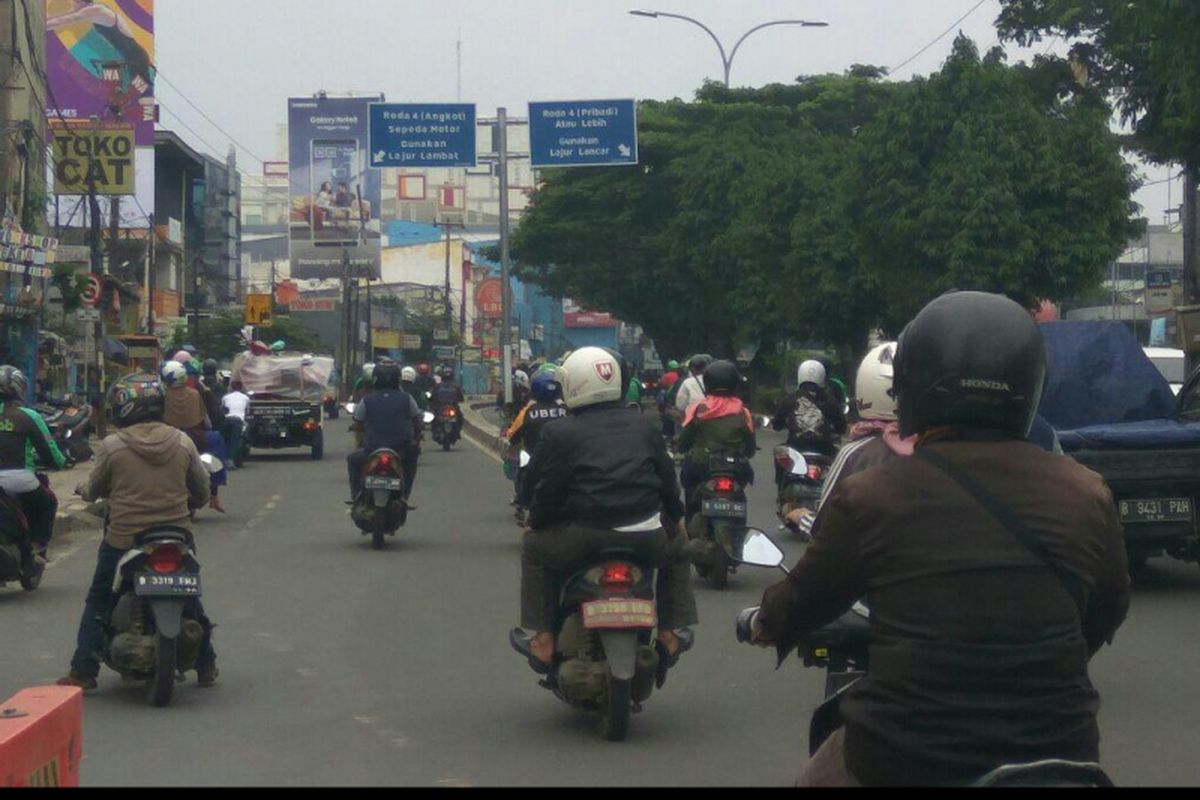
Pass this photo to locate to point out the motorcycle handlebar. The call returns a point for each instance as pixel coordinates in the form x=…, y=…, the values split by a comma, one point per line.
x=745, y=625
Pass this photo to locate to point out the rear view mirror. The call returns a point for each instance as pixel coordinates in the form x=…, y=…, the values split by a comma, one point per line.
x=764, y=423
x=350, y=408
x=211, y=465
x=760, y=550
x=525, y=459
x=428, y=417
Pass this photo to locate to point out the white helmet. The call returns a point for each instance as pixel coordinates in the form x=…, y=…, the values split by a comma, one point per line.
x=521, y=378
x=591, y=376
x=408, y=375
x=369, y=372
x=174, y=374
x=874, y=384
x=811, y=372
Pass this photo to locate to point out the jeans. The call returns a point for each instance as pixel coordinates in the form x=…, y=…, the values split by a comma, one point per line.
x=356, y=462
x=40, y=507
x=90, y=639
x=550, y=556
x=233, y=436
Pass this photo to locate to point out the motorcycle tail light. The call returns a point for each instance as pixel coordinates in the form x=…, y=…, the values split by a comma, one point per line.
x=814, y=472
x=385, y=461
x=724, y=485
x=310, y=425
x=785, y=462
x=450, y=412
x=165, y=560
x=617, y=578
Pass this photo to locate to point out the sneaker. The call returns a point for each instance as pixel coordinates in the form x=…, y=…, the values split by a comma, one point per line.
x=78, y=681
x=207, y=676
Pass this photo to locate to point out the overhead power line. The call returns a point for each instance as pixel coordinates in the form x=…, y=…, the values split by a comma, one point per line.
x=943, y=35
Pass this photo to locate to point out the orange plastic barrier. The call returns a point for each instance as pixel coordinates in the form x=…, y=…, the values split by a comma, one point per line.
x=41, y=737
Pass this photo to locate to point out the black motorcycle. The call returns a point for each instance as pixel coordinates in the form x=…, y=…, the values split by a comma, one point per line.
x=381, y=507
x=17, y=557
x=717, y=523
x=154, y=631
x=800, y=479
x=70, y=426
x=447, y=426
x=842, y=650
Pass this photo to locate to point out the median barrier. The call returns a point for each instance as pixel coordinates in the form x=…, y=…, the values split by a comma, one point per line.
x=41, y=737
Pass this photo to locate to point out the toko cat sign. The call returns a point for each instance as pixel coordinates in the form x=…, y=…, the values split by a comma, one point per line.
x=583, y=133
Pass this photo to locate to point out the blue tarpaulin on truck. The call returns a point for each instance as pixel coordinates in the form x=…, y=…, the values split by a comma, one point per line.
x=1098, y=375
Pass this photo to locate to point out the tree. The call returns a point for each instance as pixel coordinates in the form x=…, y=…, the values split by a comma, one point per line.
x=989, y=177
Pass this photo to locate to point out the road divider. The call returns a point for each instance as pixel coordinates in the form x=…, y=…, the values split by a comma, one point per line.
x=41, y=737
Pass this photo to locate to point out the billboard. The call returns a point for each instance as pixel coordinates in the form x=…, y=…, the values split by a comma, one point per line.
x=575, y=316
x=101, y=156
x=100, y=62
x=335, y=196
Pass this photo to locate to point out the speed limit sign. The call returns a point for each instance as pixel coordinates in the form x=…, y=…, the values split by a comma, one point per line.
x=91, y=295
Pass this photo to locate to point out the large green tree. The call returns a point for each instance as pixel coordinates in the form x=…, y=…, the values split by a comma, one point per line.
x=986, y=176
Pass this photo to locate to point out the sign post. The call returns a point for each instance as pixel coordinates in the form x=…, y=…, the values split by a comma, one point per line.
x=583, y=133
x=258, y=310
x=411, y=136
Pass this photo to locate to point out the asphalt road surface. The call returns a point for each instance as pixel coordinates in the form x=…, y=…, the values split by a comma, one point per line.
x=345, y=666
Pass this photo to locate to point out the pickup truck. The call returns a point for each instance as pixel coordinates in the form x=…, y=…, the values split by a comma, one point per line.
x=287, y=393
x=1116, y=414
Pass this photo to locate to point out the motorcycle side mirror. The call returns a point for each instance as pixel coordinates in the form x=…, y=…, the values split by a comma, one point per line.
x=428, y=417
x=350, y=408
x=764, y=423
x=429, y=395
x=760, y=550
x=211, y=465
x=525, y=459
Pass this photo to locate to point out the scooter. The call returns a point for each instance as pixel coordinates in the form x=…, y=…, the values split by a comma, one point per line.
x=381, y=508
x=801, y=481
x=70, y=426
x=447, y=426
x=842, y=650
x=717, y=527
x=17, y=557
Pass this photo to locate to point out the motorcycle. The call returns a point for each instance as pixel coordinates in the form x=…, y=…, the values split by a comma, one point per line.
x=842, y=650
x=381, y=508
x=17, y=561
x=801, y=481
x=70, y=426
x=520, y=513
x=447, y=426
x=717, y=527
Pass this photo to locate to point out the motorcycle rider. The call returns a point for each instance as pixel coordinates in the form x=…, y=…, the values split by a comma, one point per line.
x=811, y=415
x=424, y=384
x=691, y=390
x=390, y=419
x=718, y=424
x=408, y=382
x=447, y=393
x=602, y=479
x=526, y=431
x=150, y=472
x=23, y=438
x=186, y=409
x=364, y=384
x=235, y=404
x=993, y=569
x=212, y=381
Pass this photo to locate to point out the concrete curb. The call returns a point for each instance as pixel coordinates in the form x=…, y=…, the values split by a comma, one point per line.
x=483, y=431
x=73, y=513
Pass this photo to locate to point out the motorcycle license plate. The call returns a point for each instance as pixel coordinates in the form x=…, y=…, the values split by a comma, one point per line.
x=723, y=509
x=619, y=614
x=178, y=585
x=1176, y=509
x=385, y=484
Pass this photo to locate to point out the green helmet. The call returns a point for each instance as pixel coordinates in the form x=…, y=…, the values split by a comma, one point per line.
x=672, y=364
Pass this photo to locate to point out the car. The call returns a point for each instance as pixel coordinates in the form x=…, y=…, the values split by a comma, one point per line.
x=1171, y=363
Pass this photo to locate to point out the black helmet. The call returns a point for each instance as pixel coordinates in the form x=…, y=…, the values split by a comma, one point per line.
x=970, y=359
x=722, y=377
x=387, y=376
x=447, y=373
x=700, y=363
x=210, y=367
x=136, y=398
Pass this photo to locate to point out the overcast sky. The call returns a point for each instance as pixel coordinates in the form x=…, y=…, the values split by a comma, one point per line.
x=239, y=60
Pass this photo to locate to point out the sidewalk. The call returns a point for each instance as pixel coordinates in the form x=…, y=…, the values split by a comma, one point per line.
x=73, y=513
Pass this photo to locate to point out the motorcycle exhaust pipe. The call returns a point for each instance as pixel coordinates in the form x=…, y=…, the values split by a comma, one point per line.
x=645, y=674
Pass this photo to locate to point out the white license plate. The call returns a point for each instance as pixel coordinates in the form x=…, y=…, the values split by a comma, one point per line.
x=1176, y=509
x=619, y=614
x=385, y=484
x=723, y=509
x=180, y=585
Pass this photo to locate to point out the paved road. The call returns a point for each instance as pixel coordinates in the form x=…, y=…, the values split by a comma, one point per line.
x=340, y=665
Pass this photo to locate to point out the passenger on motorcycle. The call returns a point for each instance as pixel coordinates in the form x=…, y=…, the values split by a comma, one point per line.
x=390, y=419
x=811, y=415
x=364, y=384
x=604, y=480
x=718, y=424
x=447, y=393
x=23, y=438
x=526, y=431
x=993, y=570
x=212, y=381
x=691, y=390
x=186, y=409
x=150, y=472
x=408, y=382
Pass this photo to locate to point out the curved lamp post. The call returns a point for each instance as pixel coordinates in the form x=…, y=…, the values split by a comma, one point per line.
x=727, y=60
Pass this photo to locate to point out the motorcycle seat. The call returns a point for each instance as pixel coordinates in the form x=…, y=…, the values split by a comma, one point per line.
x=166, y=533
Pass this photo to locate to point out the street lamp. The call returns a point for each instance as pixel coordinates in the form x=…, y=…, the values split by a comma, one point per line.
x=727, y=61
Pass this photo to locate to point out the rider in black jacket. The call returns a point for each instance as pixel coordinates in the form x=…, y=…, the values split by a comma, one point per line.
x=602, y=478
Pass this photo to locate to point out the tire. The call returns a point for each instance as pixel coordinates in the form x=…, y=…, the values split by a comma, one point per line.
x=377, y=532
x=718, y=575
x=445, y=445
x=31, y=582
x=318, y=448
x=618, y=706
x=1138, y=560
x=162, y=685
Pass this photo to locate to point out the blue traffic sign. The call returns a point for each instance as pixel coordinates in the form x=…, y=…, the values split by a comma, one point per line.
x=583, y=133
x=407, y=135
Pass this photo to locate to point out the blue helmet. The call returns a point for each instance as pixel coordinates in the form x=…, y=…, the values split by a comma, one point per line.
x=546, y=388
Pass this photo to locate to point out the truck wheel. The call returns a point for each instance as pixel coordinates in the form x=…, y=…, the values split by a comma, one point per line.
x=318, y=448
x=162, y=685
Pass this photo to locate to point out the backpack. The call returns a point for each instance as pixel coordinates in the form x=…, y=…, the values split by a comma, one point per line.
x=807, y=420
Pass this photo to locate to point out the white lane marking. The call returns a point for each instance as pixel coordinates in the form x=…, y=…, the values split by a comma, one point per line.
x=306, y=672
x=487, y=451
x=455, y=783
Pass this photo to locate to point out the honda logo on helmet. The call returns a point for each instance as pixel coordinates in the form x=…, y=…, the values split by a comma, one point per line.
x=604, y=369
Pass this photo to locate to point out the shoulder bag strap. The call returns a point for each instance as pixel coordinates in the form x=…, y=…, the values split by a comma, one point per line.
x=1068, y=581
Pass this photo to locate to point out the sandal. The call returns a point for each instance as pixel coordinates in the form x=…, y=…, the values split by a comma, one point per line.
x=521, y=643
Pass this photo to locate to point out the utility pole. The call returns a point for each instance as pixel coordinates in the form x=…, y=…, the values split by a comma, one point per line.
x=348, y=383
x=505, y=294
x=1191, y=252
x=97, y=263
x=151, y=267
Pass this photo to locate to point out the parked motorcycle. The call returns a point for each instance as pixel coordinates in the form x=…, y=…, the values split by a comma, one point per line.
x=381, y=507
x=801, y=481
x=447, y=426
x=718, y=523
x=17, y=562
x=842, y=650
x=70, y=427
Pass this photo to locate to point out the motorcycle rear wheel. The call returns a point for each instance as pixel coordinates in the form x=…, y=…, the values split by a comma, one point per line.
x=33, y=580
x=718, y=571
x=162, y=685
x=617, y=708
x=377, y=530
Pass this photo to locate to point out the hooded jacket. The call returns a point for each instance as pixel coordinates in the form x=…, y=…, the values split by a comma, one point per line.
x=148, y=472
x=717, y=425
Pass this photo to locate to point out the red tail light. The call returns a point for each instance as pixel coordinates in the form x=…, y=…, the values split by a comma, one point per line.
x=450, y=412
x=814, y=472
x=724, y=485
x=165, y=560
x=617, y=578
x=310, y=425
x=385, y=461
x=785, y=462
